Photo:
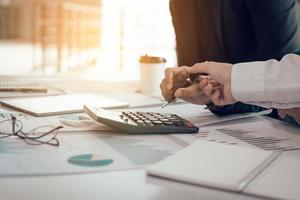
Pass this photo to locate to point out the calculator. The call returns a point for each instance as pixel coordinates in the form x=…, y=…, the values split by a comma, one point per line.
x=142, y=122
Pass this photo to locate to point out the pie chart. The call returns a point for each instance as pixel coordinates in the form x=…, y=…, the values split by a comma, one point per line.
x=90, y=160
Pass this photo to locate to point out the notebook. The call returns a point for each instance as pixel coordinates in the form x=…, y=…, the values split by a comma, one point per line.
x=61, y=104
x=234, y=168
x=13, y=89
x=26, y=87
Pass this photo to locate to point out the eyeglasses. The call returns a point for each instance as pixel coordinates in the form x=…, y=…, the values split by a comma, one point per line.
x=37, y=136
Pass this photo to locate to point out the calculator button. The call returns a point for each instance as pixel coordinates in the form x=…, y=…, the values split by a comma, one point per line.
x=125, y=119
x=152, y=118
x=150, y=113
x=169, y=123
x=160, y=117
x=157, y=122
x=177, y=123
x=140, y=122
x=148, y=123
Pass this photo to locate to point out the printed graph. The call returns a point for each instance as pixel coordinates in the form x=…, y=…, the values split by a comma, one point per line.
x=262, y=142
x=137, y=150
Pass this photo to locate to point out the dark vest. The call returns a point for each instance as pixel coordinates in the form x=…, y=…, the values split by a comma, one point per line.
x=234, y=31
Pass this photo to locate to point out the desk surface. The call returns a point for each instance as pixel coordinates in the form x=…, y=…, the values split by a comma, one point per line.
x=131, y=184
x=126, y=184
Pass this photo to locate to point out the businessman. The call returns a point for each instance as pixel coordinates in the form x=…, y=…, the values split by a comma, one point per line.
x=230, y=31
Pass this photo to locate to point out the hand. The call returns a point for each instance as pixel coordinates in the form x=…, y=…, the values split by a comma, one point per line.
x=194, y=93
x=218, y=87
x=293, y=112
x=174, y=78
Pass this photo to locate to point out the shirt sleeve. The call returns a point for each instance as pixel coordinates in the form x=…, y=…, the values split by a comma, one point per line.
x=268, y=84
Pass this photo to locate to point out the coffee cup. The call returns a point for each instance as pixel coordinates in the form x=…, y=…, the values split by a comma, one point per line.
x=151, y=73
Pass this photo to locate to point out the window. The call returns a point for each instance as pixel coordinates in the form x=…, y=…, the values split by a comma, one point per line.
x=133, y=28
x=91, y=38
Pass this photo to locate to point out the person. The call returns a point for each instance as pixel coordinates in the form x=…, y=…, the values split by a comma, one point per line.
x=230, y=31
x=269, y=84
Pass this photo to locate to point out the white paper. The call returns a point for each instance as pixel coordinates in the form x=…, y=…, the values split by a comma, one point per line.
x=127, y=151
x=61, y=104
x=211, y=164
x=208, y=118
x=70, y=122
x=257, y=132
x=137, y=99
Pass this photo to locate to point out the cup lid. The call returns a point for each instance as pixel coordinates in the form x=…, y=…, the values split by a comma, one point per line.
x=151, y=59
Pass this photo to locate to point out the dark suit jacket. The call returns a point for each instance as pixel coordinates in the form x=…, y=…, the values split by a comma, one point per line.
x=234, y=31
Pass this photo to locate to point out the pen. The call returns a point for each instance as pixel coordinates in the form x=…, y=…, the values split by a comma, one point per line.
x=188, y=81
x=184, y=84
x=25, y=90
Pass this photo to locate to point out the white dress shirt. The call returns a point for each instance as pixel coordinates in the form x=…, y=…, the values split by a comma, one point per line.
x=270, y=84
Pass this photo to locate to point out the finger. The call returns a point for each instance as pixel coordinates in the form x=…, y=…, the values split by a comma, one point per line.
x=199, y=68
x=169, y=78
x=208, y=90
x=164, y=91
x=188, y=92
x=214, y=83
x=216, y=98
x=203, y=83
x=193, y=99
x=202, y=77
x=162, y=85
x=207, y=77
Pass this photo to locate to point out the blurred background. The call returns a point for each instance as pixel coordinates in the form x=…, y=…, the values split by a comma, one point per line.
x=96, y=39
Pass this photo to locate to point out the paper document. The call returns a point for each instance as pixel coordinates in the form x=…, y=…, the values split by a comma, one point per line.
x=257, y=132
x=137, y=100
x=215, y=165
x=271, y=174
x=127, y=152
x=281, y=180
x=61, y=104
x=208, y=118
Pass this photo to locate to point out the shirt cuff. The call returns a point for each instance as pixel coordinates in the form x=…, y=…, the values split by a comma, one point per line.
x=247, y=82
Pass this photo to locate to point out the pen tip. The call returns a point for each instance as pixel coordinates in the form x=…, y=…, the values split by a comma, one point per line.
x=165, y=104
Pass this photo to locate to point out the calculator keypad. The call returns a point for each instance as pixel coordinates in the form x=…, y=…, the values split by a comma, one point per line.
x=153, y=119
